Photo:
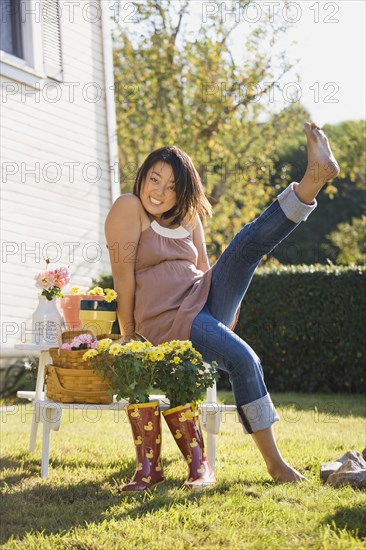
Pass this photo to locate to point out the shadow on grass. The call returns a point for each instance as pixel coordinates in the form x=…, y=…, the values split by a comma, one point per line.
x=30, y=467
x=54, y=509
x=60, y=507
x=352, y=519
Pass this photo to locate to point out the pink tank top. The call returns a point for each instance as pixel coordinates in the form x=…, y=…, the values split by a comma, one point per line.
x=170, y=290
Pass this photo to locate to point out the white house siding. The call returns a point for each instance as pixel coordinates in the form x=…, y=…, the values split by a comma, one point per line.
x=43, y=214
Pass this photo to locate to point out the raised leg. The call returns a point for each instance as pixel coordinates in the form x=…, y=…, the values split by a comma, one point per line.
x=234, y=270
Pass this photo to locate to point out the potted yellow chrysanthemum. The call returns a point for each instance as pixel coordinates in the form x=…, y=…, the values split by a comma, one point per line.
x=131, y=374
x=130, y=370
x=183, y=376
x=97, y=315
x=178, y=370
x=71, y=306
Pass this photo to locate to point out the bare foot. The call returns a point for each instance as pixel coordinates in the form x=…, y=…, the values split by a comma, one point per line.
x=322, y=166
x=284, y=473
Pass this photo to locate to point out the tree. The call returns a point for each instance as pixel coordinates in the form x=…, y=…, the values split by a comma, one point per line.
x=178, y=87
x=348, y=242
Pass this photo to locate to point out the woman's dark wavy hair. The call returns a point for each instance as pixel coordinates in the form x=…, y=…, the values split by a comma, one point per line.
x=191, y=199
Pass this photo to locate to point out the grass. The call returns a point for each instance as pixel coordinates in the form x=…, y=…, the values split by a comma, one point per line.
x=78, y=505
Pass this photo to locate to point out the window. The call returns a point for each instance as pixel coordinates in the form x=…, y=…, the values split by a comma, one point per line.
x=10, y=27
x=31, y=40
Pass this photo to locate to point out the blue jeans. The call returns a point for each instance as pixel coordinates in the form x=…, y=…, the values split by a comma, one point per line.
x=231, y=277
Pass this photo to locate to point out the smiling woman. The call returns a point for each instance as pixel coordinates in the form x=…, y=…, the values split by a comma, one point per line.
x=168, y=292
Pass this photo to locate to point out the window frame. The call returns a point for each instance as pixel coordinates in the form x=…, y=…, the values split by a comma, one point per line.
x=30, y=69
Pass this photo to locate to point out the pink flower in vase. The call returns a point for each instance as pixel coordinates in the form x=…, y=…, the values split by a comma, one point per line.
x=45, y=280
x=52, y=282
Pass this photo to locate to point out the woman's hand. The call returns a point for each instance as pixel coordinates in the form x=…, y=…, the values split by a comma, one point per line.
x=126, y=339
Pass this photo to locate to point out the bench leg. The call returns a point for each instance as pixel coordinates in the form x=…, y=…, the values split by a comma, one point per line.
x=211, y=450
x=43, y=359
x=51, y=421
x=45, y=449
x=212, y=425
x=34, y=428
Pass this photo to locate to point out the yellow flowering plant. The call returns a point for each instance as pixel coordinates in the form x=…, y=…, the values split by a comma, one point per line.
x=128, y=367
x=176, y=368
x=107, y=293
x=180, y=371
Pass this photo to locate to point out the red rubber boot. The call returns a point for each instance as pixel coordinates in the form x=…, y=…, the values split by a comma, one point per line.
x=146, y=430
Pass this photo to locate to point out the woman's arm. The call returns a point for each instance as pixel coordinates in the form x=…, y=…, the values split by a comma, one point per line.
x=123, y=230
x=199, y=241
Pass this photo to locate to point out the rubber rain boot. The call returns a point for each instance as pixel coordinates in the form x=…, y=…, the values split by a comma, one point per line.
x=145, y=424
x=183, y=422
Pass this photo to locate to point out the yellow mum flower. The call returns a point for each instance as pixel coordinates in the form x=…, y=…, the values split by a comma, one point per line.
x=156, y=355
x=176, y=360
x=89, y=354
x=110, y=295
x=116, y=349
x=137, y=347
x=104, y=344
x=75, y=291
x=96, y=291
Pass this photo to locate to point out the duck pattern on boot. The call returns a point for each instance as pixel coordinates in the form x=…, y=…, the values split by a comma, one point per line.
x=145, y=424
x=183, y=422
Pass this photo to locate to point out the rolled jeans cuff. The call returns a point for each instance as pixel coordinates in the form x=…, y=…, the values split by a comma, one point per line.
x=293, y=208
x=258, y=415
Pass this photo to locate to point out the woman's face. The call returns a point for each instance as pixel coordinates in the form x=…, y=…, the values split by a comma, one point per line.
x=158, y=190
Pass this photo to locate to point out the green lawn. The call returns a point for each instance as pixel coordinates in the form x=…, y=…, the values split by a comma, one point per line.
x=78, y=505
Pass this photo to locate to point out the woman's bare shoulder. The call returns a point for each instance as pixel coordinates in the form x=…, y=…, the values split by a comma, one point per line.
x=127, y=210
x=126, y=205
x=127, y=200
x=124, y=209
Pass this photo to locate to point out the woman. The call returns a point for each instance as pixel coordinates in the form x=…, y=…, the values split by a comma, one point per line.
x=168, y=291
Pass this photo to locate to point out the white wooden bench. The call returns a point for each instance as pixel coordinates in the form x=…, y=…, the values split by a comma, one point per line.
x=49, y=413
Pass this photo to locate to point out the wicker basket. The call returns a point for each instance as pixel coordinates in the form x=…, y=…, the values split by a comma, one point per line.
x=68, y=359
x=76, y=386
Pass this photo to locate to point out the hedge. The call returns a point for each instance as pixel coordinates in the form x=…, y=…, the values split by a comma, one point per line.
x=307, y=325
